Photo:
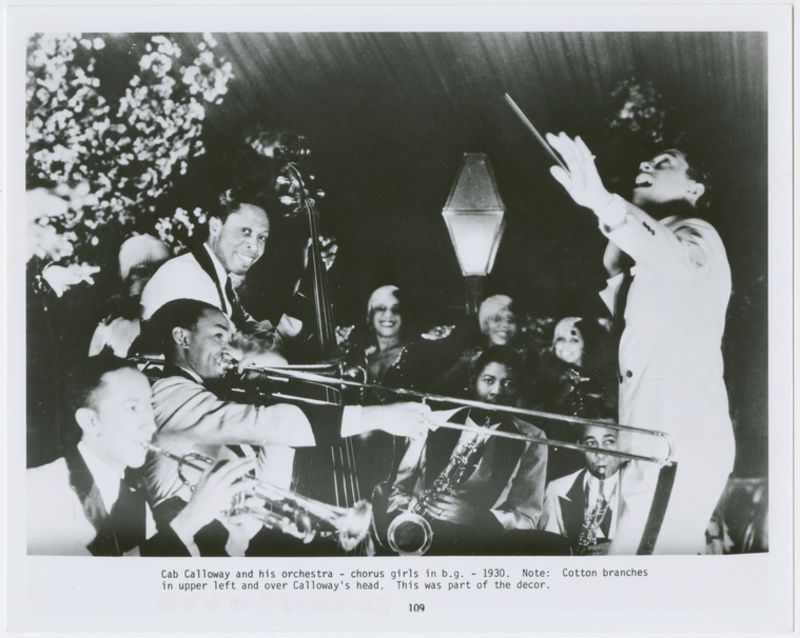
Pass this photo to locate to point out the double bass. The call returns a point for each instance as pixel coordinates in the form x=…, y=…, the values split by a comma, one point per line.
x=329, y=474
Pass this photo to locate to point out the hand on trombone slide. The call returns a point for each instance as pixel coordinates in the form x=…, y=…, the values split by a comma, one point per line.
x=409, y=418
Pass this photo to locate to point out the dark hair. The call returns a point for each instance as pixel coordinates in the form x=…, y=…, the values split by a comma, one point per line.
x=230, y=201
x=697, y=170
x=87, y=377
x=596, y=342
x=178, y=313
x=582, y=430
x=496, y=354
x=588, y=406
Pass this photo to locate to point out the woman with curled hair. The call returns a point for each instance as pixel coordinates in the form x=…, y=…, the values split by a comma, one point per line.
x=390, y=354
x=574, y=373
x=497, y=326
x=498, y=320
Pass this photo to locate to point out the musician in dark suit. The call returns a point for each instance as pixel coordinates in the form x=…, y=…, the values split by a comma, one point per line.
x=584, y=506
x=83, y=503
x=495, y=486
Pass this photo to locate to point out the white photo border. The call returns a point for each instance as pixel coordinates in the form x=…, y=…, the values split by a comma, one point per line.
x=710, y=593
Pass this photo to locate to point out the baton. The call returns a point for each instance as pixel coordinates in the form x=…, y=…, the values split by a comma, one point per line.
x=529, y=125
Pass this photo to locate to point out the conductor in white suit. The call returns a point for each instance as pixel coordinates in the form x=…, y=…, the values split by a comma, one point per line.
x=672, y=290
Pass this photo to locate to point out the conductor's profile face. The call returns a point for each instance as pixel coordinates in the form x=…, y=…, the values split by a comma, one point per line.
x=240, y=240
x=207, y=345
x=663, y=179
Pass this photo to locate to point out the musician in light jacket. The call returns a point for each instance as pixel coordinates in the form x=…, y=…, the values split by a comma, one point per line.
x=673, y=300
x=195, y=339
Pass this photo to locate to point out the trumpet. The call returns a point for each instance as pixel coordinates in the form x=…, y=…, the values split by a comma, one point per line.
x=281, y=509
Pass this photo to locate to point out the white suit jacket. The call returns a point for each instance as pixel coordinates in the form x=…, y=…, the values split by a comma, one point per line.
x=671, y=372
x=670, y=358
x=183, y=278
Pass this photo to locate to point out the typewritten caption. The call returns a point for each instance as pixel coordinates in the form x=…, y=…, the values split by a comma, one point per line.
x=262, y=580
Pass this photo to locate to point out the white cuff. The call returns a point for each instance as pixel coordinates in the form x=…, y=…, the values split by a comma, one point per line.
x=351, y=421
x=612, y=215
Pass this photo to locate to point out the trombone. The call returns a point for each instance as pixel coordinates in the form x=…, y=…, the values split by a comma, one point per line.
x=283, y=510
x=283, y=374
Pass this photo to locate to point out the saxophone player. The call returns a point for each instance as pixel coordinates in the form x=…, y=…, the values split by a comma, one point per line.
x=584, y=506
x=475, y=491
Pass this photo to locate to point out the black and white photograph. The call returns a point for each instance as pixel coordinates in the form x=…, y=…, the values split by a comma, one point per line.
x=380, y=297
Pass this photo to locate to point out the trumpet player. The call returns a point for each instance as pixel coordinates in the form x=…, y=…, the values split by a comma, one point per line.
x=475, y=489
x=82, y=503
x=584, y=506
x=195, y=338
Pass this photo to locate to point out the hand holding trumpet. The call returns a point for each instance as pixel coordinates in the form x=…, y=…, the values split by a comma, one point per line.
x=217, y=487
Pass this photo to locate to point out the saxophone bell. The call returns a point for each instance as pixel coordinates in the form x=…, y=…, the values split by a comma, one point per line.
x=410, y=534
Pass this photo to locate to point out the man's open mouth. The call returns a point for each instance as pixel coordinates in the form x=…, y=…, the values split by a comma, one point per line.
x=643, y=180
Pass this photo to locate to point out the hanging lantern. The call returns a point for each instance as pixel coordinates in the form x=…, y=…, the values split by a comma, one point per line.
x=475, y=219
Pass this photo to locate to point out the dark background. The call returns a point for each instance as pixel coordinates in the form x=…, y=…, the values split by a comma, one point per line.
x=389, y=116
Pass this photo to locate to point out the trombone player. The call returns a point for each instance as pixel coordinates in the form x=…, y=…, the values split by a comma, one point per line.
x=195, y=339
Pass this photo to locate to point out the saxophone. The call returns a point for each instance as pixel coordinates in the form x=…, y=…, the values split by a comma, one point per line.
x=410, y=533
x=587, y=538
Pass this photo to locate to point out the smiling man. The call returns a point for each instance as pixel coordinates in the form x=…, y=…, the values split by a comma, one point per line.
x=195, y=338
x=672, y=302
x=237, y=237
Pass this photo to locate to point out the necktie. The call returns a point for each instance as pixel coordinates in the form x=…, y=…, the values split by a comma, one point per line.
x=237, y=312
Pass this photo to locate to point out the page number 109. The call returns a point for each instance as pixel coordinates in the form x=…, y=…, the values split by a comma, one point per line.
x=416, y=606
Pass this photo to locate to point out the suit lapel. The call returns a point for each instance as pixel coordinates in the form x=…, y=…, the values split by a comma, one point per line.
x=499, y=459
x=118, y=531
x=82, y=482
x=204, y=260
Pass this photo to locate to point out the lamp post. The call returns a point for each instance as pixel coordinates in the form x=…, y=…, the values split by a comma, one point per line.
x=475, y=218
